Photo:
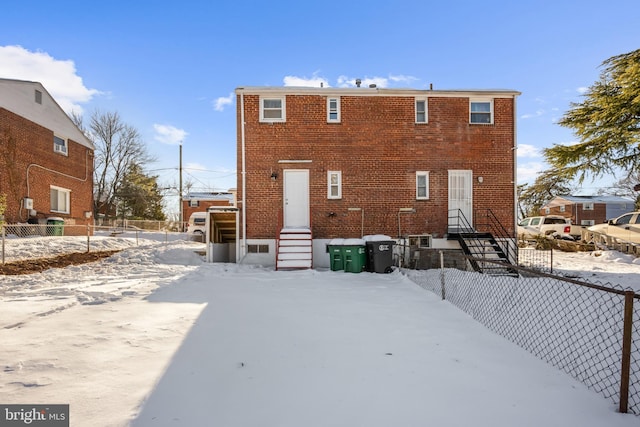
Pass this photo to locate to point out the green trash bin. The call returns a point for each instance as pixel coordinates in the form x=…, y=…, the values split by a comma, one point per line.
x=336, y=255
x=55, y=226
x=355, y=255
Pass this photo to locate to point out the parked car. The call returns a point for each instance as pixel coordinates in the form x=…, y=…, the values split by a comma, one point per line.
x=552, y=226
x=197, y=222
x=626, y=227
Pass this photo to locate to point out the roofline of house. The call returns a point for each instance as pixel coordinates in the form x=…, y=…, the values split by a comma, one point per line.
x=85, y=141
x=374, y=91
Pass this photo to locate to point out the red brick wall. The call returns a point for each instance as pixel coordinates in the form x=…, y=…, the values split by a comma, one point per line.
x=203, y=205
x=26, y=151
x=378, y=147
x=577, y=214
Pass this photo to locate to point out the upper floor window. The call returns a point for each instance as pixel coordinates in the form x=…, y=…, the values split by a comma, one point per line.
x=562, y=208
x=60, y=198
x=60, y=145
x=333, y=110
x=587, y=206
x=272, y=110
x=481, y=111
x=38, y=97
x=422, y=185
x=334, y=184
x=421, y=111
x=194, y=203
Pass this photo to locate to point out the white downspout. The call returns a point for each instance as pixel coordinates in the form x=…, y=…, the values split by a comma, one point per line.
x=243, y=246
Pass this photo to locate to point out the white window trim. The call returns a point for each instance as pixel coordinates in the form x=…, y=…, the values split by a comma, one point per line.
x=426, y=175
x=282, y=99
x=484, y=100
x=426, y=110
x=56, y=146
x=588, y=206
x=67, y=196
x=337, y=99
x=338, y=185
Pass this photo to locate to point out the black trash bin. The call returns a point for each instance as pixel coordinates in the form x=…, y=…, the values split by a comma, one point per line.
x=379, y=254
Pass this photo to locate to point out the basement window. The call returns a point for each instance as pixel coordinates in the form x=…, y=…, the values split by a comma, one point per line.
x=60, y=199
x=258, y=249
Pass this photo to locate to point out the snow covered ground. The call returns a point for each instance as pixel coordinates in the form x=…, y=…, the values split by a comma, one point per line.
x=153, y=336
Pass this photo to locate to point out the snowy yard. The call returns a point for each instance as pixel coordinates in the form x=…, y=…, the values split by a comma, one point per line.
x=153, y=336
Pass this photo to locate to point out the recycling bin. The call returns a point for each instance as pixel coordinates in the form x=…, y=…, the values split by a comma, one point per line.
x=355, y=255
x=380, y=254
x=55, y=226
x=336, y=255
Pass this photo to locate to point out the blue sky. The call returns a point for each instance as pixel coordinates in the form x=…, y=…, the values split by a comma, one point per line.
x=170, y=68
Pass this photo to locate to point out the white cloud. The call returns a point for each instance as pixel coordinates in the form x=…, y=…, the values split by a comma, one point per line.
x=528, y=172
x=59, y=77
x=538, y=113
x=169, y=135
x=403, y=79
x=222, y=102
x=526, y=150
x=195, y=167
x=582, y=90
x=314, y=81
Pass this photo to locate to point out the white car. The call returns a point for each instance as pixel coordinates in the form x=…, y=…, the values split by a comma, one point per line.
x=197, y=222
x=626, y=227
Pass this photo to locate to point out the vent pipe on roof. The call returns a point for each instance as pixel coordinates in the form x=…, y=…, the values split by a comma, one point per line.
x=372, y=86
x=358, y=82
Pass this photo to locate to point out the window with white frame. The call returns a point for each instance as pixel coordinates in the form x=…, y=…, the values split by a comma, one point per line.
x=587, y=206
x=60, y=145
x=193, y=203
x=421, y=111
x=60, y=199
x=422, y=185
x=334, y=184
x=563, y=208
x=333, y=110
x=272, y=109
x=547, y=211
x=481, y=111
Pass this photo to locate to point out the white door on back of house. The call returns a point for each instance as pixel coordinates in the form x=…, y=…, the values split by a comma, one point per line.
x=296, y=198
x=460, y=196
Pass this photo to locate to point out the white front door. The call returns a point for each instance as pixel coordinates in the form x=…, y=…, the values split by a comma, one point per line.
x=296, y=198
x=460, y=196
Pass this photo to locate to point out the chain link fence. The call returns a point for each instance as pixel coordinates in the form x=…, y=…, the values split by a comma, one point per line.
x=576, y=326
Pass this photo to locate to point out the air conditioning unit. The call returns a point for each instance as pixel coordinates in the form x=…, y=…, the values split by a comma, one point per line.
x=420, y=240
x=28, y=203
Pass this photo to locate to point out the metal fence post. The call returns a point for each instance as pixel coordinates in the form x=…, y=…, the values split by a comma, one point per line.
x=626, y=351
x=442, y=273
x=88, y=242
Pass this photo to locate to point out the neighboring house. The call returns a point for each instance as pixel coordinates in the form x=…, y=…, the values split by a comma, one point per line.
x=588, y=210
x=200, y=201
x=345, y=163
x=46, y=162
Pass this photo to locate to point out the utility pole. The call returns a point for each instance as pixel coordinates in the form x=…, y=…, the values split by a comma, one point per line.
x=180, y=192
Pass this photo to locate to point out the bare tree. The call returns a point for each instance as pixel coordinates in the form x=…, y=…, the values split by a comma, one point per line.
x=118, y=146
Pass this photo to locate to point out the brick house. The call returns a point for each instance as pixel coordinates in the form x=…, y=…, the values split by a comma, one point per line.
x=201, y=201
x=350, y=162
x=588, y=210
x=46, y=162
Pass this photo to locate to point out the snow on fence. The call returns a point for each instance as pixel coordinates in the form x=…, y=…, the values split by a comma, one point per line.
x=590, y=331
x=31, y=241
